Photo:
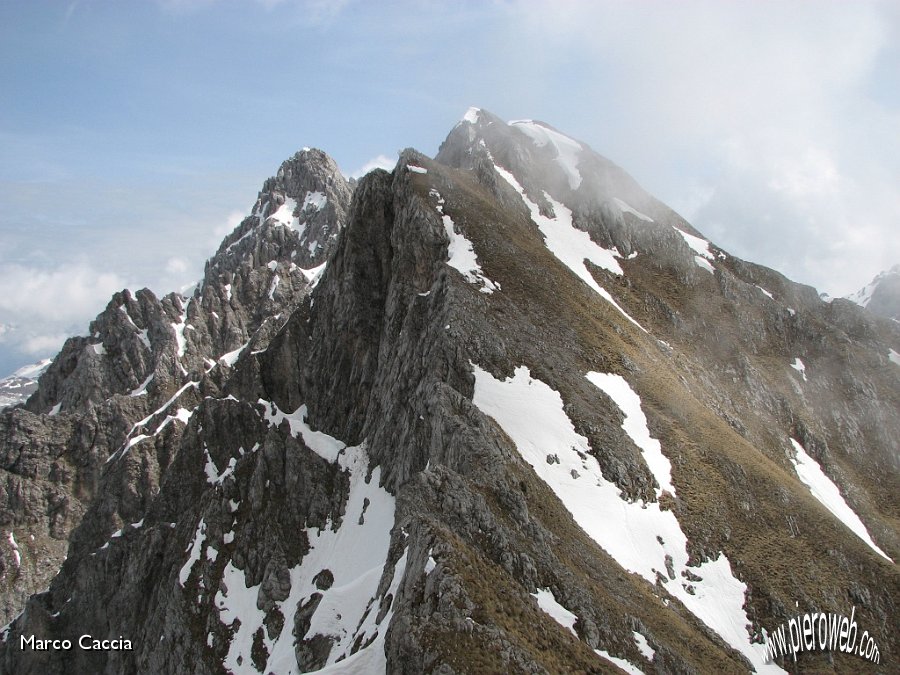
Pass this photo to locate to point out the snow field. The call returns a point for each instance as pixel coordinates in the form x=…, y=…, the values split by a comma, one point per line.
x=354, y=551
x=640, y=536
x=635, y=425
x=570, y=245
x=701, y=248
x=284, y=215
x=547, y=602
x=567, y=149
x=471, y=115
x=822, y=488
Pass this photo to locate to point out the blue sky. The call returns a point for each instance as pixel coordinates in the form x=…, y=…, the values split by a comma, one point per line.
x=134, y=135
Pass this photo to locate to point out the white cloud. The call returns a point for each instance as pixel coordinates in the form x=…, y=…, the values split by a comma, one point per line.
x=176, y=266
x=379, y=162
x=49, y=305
x=43, y=345
x=70, y=292
x=223, y=228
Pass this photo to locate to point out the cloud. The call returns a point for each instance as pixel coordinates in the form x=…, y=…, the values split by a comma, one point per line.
x=43, y=345
x=379, y=162
x=49, y=305
x=70, y=292
x=223, y=228
x=774, y=112
x=176, y=266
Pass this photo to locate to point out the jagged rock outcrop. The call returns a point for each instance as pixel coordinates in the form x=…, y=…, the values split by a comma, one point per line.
x=147, y=358
x=527, y=420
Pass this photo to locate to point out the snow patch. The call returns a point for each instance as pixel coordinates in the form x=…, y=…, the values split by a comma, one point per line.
x=314, y=274
x=179, y=326
x=141, y=389
x=703, y=263
x=325, y=446
x=130, y=441
x=285, y=215
x=195, y=548
x=822, y=488
x=416, y=169
x=15, y=548
x=635, y=425
x=567, y=149
x=99, y=349
x=314, y=201
x=275, y=281
x=231, y=357
x=799, y=367
x=142, y=336
x=547, y=602
x=621, y=663
x=765, y=292
x=213, y=477
x=625, y=208
x=460, y=253
x=570, y=245
x=894, y=357
x=471, y=115
x=642, y=537
x=55, y=410
x=701, y=247
x=124, y=310
x=646, y=650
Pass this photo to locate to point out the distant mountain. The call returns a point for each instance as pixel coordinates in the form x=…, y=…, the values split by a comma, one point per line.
x=16, y=388
x=882, y=295
x=500, y=410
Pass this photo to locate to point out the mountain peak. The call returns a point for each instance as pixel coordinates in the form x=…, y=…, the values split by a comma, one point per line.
x=881, y=295
x=16, y=388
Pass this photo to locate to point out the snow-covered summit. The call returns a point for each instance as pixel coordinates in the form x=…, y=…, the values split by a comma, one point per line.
x=16, y=388
x=881, y=295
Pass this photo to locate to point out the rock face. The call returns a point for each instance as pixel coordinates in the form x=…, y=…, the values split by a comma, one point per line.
x=882, y=296
x=147, y=357
x=524, y=419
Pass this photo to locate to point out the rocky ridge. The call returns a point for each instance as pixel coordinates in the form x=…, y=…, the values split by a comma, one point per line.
x=147, y=356
x=341, y=478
